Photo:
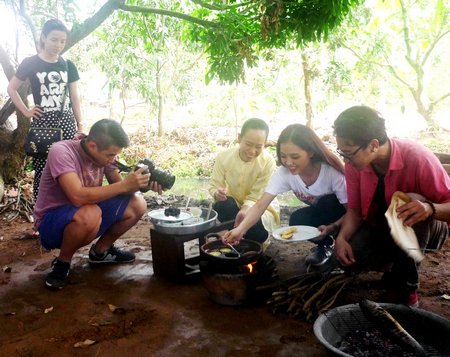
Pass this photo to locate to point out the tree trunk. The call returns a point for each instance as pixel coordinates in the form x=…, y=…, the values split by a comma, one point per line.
x=308, y=77
x=160, y=115
x=123, y=94
x=2, y=187
x=160, y=98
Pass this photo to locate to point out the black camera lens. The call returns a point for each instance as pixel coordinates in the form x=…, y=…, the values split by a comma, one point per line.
x=163, y=177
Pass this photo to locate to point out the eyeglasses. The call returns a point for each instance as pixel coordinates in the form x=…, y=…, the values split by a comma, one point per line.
x=350, y=155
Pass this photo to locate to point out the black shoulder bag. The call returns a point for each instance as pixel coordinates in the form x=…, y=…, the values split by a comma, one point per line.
x=40, y=139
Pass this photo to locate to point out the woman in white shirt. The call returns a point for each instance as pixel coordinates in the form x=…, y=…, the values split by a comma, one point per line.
x=316, y=176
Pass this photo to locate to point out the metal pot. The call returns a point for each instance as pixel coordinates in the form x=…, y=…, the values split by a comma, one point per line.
x=246, y=252
x=191, y=225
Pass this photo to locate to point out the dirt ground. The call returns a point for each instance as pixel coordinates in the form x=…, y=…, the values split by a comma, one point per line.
x=155, y=316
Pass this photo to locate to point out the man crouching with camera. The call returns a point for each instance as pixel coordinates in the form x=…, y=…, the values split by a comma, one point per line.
x=73, y=207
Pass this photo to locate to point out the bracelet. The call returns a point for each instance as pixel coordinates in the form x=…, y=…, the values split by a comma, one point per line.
x=433, y=208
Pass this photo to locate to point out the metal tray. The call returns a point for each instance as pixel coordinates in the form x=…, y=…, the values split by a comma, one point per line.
x=189, y=226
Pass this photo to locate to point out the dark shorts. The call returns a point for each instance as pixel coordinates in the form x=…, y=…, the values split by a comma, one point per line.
x=51, y=229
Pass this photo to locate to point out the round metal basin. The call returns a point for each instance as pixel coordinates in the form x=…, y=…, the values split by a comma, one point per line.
x=190, y=225
x=430, y=330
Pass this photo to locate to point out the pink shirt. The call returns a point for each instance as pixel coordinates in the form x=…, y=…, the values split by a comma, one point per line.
x=64, y=157
x=413, y=168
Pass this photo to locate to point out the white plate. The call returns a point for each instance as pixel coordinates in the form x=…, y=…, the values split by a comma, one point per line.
x=159, y=216
x=303, y=233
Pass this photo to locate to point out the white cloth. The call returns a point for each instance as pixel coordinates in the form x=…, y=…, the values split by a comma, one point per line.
x=403, y=236
x=329, y=181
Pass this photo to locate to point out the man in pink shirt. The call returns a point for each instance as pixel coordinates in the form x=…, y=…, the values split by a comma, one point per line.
x=73, y=207
x=376, y=167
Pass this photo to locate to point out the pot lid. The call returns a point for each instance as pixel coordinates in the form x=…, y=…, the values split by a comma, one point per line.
x=161, y=216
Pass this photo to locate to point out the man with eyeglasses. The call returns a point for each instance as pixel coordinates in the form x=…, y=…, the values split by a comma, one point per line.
x=376, y=167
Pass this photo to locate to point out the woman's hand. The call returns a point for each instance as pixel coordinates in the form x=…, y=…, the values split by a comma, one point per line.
x=34, y=112
x=221, y=194
x=241, y=215
x=232, y=237
x=79, y=128
x=326, y=230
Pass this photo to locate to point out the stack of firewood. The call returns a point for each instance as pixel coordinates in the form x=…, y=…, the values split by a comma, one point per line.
x=309, y=294
x=18, y=200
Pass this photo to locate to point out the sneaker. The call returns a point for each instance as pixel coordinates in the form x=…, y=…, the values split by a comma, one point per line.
x=112, y=255
x=320, y=255
x=57, y=278
x=395, y=296
x=412, y=299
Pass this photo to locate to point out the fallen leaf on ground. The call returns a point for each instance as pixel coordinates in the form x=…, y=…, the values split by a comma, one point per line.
x=94, y=322
x=52, y=339
x=86, y=343
x=48, y=309
x=116, y=309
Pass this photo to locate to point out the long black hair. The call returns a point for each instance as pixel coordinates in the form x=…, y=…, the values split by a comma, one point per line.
x=305, y=138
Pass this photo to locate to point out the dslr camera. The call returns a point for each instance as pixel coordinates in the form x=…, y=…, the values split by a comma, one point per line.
x=162, y=177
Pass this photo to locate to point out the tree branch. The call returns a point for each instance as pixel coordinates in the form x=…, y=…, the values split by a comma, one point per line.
x=80, y=31
x=220, y=7
x=147, y=10
x=7, y=66
x=23, y=12
x=432, y=46
x=436, y=101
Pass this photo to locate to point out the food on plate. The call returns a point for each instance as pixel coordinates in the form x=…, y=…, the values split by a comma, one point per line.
x=172, y=211
x=288, y=233
x=225, y=250
x=215, y=253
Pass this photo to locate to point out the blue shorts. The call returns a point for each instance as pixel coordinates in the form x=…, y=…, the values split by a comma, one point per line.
x=51, y=229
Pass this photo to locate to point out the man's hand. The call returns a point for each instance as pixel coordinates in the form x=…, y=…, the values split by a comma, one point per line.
x=344, y=252
x=137, y=179
x=413, y=212
x=221, y=194
x=154, y=186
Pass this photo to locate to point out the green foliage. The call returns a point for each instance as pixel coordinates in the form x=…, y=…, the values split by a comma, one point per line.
x=243, y=30
x=398, y=42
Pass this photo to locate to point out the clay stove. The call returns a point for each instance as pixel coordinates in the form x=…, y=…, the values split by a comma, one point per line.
x=232, y=279
x=168, y=246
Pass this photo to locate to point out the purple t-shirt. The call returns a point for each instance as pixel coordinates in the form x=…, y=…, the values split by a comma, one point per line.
x=64, y=157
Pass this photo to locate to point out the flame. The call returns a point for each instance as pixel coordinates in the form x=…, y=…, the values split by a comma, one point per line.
x=250, y=268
